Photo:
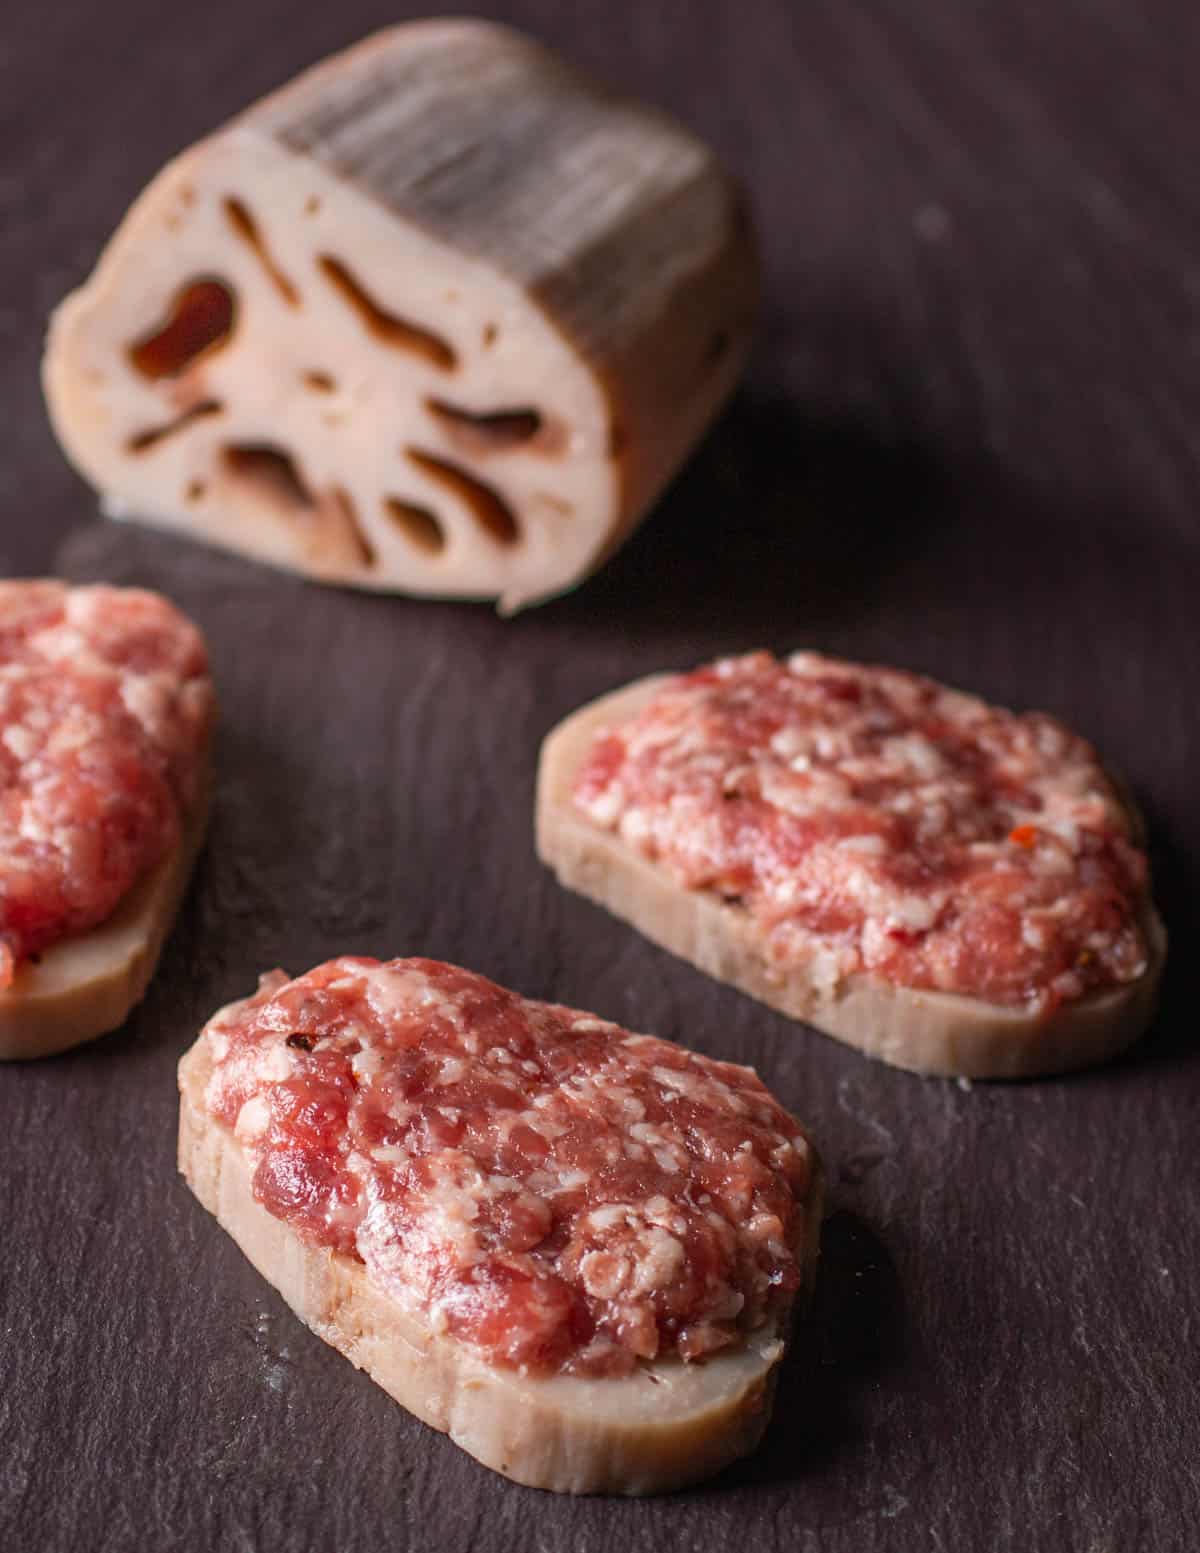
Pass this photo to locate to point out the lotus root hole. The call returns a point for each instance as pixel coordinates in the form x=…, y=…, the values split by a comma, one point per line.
x=144, y=441
x=481, y=433
x=343, y=505
x=270, y=473
x=388, y=328
x=245, y=228
x=271, y=477
x=418, y=524
x=483, y=502
x=200, y=318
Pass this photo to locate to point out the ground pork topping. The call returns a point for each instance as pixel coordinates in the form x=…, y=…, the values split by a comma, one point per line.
x=105, y=707
x=557, y=1192
x=872, y=820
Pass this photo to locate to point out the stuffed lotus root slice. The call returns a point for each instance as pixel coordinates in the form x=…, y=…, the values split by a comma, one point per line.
x=439, y=317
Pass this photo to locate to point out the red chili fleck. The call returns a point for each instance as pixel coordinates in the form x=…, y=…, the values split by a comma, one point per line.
x=1024, y=835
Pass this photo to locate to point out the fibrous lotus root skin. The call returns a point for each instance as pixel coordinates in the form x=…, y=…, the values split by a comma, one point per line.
x=438, y=317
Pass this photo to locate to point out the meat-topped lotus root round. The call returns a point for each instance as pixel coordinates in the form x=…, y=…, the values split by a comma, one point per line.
x=438, y=317
x=948, y=886
x=573, y=1248
x=106, y=728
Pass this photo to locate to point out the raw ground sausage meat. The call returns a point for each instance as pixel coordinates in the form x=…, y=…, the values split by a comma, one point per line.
x=555, y=1191
x=903, y=828
x=105, y=710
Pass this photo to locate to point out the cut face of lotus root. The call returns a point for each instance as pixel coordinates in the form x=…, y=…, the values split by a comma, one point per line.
x=438, y=317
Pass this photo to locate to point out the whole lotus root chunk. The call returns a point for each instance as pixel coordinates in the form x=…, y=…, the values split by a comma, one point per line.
x=438, y=317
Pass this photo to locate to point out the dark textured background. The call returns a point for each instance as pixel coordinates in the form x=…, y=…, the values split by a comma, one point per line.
x=969, y=443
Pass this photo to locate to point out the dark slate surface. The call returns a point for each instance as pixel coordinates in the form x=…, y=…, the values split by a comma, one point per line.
x=969, y=444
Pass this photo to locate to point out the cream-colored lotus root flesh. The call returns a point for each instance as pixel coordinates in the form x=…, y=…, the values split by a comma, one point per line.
x=439, y=317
